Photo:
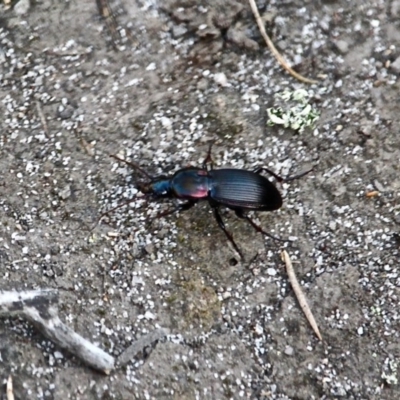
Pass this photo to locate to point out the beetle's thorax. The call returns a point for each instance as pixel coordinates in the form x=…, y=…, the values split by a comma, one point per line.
x=191, y=184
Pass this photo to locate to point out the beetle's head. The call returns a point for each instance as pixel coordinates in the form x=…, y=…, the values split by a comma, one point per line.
x=146, y=187
x=159, y=186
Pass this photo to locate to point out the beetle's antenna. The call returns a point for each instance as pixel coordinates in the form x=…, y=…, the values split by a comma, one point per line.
x=209, y=159
x=102, y=215
x=133, y=165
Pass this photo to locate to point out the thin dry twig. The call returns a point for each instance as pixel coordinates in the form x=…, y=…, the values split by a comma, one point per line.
x=42, y=118
x=372, y=193
x=9, y=389
x=273, y=49
x=40, y=308
x=107, y=13
x=301, y=298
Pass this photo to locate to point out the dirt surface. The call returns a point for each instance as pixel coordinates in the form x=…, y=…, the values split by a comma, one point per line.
x=171, y=78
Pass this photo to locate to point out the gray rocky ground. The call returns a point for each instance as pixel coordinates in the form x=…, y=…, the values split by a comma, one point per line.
x=177, y=75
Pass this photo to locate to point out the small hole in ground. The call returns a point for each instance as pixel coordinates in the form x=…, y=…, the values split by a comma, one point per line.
x=233, y=262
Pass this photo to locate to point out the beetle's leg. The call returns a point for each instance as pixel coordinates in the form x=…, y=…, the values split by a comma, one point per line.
x=102, y=215
x=179, y=207
x=258, y=170
x=279, y=178
x=227, y=234
x=258, y=228
x=291, y=178
x=208, y=159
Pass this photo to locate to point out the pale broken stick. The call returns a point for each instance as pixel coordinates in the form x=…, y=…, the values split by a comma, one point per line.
x=40, y=308
x=301, y=298
x=9, y=388
x=272, y=47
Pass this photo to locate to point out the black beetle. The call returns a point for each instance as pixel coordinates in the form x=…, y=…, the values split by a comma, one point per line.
x=237, y=189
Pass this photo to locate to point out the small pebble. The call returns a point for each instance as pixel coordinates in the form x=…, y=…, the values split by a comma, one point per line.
x=65, y=193
x=289, y=350
x=395, y=66
x=220, y=79
x=342, y=46
x=22, y=7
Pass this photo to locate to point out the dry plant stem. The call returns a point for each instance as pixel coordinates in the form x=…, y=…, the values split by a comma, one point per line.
x=111, y=22
x=273, y=49
x=42, y=119
x=10, y=391
x=301, y=298
x=40, y=308
x=127, y=356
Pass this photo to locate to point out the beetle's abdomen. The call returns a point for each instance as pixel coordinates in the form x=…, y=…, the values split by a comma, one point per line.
x=237, y=188
x=190, y=183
